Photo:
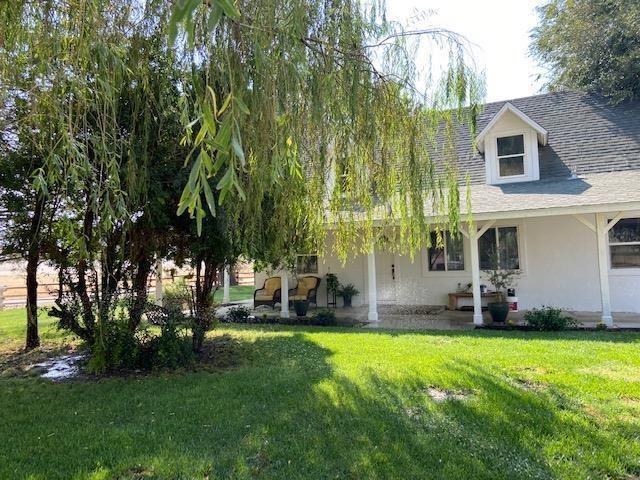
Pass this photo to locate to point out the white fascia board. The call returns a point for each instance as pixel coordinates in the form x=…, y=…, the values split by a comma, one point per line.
x=509, y=107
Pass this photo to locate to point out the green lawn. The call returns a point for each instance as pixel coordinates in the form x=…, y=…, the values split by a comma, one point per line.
x=344, y=403
x=236, y=292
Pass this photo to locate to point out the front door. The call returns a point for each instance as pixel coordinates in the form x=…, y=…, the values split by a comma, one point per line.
x=385, y=277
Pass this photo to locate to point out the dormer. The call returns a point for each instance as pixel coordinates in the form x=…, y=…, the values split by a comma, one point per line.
x=510, y=146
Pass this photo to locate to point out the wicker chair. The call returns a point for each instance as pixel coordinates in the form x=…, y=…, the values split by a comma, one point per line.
x=307, y=289
x=269, y=294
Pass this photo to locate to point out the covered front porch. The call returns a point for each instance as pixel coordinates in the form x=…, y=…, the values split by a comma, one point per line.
x=582, y=259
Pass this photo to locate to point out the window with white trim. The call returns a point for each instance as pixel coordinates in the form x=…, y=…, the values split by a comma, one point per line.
x=446, y=257
x=500, y=242
x=624, y=243
x=306, y=264
x=510, y=155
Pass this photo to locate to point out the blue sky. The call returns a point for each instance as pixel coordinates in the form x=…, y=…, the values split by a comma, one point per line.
x=498, y=31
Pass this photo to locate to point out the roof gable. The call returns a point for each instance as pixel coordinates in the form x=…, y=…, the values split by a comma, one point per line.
x=509, y=107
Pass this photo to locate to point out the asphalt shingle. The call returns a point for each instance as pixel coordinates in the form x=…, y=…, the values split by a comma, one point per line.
x=586, y=135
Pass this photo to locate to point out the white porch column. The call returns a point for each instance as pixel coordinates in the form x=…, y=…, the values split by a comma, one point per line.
x=227, y=282
x=371, y=281
x=159, y=286
x=603, y=267
x=475, y=276
x=284, y=295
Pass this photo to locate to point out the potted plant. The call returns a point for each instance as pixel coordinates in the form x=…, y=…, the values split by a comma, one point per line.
x=332, y=283
x=501, y=279
x=301, y=307
x=332, y=289
x=347, y=292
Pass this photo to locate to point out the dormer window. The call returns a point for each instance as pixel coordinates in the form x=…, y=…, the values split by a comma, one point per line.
x=510, y=145
x=510, y=155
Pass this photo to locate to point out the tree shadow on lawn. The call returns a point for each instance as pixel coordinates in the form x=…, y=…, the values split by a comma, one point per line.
x=287, y=413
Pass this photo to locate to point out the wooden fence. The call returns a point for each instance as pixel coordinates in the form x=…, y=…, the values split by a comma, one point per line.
x=16, y=295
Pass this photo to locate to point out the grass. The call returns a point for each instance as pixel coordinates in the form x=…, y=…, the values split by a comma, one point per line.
x=343, y=403
x=236, y=293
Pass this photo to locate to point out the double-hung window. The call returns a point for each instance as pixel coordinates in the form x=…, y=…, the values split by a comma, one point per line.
x=446, y=257
x=510, y=155
x=499, y=244
x=624, y=243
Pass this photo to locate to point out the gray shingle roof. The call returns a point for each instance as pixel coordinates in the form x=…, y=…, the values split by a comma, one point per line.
x=590, y=190
x=585, y=133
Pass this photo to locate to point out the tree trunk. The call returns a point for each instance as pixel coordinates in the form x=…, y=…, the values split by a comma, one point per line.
x=139, y=292
x=204, y=317
x=33, y=258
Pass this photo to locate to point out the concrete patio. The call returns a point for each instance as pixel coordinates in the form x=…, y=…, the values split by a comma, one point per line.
x=428, y=317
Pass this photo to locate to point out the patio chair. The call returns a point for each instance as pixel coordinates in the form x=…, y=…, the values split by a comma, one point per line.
x=269, y=294
x=307, y=289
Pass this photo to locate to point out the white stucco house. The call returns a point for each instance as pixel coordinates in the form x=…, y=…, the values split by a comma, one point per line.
x=555, y=190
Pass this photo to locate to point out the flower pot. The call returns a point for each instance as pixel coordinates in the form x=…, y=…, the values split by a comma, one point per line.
x=346, y=301
x=301, y=307
x=498, y=311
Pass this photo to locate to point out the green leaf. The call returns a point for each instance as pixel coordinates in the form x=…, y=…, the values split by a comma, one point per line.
x=237, y=148
x=202, y=133
x=225, y=104
x=241, y=105
x=226, y=180
x=229, y=9
x=214, y=16
x=195, y=171
x=208, y=194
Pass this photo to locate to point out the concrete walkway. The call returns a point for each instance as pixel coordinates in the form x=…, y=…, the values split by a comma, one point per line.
x=419, y=317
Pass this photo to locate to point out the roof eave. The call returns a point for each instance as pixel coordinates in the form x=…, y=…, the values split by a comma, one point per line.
x=509, y=107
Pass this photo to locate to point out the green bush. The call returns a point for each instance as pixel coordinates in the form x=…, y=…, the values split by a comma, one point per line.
x=171, y=349
x=240, y=314
x=324, y=317
x=549, y=319
x=177, y=296
x=122, y=349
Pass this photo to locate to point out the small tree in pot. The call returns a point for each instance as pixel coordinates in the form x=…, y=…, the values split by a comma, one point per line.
x=501, y=279
x=347, y=292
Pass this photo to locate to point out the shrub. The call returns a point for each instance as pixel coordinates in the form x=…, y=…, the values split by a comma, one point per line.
x=240, y=314
x=177, y=296
x=324, y=317
x=549, y=319
x=171, y=349
x=121, y=348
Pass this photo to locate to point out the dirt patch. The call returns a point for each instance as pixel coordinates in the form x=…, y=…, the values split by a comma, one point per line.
x=530, y=385
x=221, y=352
x=439, y=395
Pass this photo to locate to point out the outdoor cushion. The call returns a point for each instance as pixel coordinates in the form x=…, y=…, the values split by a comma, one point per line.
x=271, y=284
x=305, y=284
x=265, y=297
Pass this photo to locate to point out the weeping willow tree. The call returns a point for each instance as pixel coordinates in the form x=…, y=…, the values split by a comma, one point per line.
x=310, y=114
x=297, y=117
x=92, y=93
